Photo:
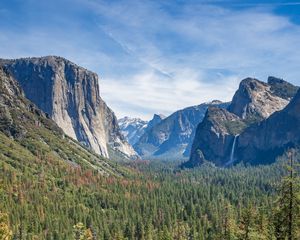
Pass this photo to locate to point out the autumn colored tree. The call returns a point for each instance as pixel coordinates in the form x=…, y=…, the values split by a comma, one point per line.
x=5, y=231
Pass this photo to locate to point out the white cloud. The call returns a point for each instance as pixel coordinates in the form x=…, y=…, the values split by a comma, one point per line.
x=157, y=56
x=219, y=47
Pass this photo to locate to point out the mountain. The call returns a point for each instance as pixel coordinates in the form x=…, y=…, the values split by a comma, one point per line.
x=156, y=119
x=132, y=128
x=27, y=136
x=272, y=137
x=217, y=137
x=172, y=137
x=257, y=100
x=70, y=95
x=214, y=137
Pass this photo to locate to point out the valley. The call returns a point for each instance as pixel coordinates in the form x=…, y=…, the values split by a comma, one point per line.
x=56, y=186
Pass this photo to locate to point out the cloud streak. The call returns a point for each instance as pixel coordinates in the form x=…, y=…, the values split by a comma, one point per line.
x=160, y=56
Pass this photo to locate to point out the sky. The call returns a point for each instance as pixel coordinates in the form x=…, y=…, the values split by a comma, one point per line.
x=159, y=56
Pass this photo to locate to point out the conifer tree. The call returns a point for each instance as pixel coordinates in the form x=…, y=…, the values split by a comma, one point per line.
x=246, y=223
x=286, y=220
x=228, y=224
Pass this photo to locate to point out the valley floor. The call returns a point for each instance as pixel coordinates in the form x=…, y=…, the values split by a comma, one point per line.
x=153, y=200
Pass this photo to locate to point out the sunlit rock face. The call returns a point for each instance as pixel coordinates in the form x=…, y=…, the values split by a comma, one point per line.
x=257, y=100
x=241, y=127
x=70, y=95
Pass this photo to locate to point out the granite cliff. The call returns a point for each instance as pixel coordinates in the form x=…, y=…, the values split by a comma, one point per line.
x=70, y=95
x=223, y=133
x=266, y=140
x=27, y=135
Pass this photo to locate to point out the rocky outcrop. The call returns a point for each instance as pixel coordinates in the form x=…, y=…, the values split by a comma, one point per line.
x=70, y=95
x=172, y=137
x=219, y=136
x=282, y=89
x=214, y=137
x=266, y=140
x=256, y=100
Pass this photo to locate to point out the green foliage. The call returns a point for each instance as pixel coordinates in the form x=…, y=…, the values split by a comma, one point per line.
x=235, y=127
x=45, y=198
x=52, y=188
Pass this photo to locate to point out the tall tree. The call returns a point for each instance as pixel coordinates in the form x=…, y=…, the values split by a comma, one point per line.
x=287, y=212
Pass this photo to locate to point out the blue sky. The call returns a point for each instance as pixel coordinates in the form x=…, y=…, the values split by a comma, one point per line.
x=159, y=56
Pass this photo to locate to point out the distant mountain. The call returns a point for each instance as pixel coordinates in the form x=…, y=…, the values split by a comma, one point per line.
x=217, y=138
x=156, y=119
x=27, y=136
x=172, y=137
x=132, y=128
x=70, y=95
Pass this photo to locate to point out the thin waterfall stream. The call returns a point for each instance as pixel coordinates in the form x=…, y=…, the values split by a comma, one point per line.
x=231, y=160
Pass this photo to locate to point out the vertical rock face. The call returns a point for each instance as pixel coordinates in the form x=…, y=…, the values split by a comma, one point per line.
x=268, y=139
x=253, y=102
x=70, y=95
x=172, y=137
x=214, y=137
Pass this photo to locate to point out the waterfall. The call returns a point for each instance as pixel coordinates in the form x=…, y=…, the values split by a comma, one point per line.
x=231, y=160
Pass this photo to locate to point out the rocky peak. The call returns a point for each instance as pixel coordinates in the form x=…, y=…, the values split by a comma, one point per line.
x=70, y=95
x=255, y=100
x=157, y=118
x=282, y=88
x=132, y=128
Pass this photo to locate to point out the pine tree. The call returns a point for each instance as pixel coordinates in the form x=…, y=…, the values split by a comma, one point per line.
x=246, y=223
x=228, y=223
x=181, y=231
x=165, y=234
x=287, y=213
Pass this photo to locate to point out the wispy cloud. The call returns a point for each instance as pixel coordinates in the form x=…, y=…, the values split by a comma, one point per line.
x=159, y=56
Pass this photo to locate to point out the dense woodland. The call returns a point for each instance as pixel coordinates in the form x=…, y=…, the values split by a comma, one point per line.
x=41, y=198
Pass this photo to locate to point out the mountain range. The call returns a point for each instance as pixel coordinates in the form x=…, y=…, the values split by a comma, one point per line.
x=134, y=128
x=256, y=127
x=172, y=137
